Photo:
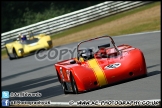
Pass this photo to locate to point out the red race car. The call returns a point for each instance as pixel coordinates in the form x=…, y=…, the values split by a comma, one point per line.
x=108, y=65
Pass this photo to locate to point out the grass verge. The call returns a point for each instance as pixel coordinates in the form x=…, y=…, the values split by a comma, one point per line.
x=103, y=20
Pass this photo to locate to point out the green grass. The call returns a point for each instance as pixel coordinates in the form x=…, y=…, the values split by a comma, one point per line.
x=3, y=52
x=103, y=20
x=140, y=28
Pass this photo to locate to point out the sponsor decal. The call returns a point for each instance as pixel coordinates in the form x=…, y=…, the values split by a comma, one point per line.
x=113, y=66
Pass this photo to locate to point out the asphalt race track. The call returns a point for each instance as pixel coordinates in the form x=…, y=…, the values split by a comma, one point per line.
x=30, y=75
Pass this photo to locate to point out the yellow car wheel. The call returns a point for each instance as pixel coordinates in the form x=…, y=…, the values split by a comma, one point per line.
x=9, y=54
x=15, y=54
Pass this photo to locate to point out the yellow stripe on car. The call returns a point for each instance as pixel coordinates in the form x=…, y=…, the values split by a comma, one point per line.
x=99, y=73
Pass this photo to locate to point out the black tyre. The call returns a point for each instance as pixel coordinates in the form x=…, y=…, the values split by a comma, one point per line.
x=58, y=77
x=15, y=54
x=63, y=87
x=74, y=86
x=9, y=54
x=145, y=75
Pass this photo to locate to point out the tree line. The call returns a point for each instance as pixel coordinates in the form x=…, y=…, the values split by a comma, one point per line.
x=17, y=14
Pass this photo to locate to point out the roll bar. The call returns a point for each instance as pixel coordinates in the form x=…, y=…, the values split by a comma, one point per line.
x=112, y=41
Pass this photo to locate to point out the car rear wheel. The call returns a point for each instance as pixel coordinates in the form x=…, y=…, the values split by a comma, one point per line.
x=74, y=86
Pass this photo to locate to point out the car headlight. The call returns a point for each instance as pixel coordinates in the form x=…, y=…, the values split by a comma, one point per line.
x=60, y=69
x=68, y=74
x=21, y=51
x=68, y=71
x=61, y=72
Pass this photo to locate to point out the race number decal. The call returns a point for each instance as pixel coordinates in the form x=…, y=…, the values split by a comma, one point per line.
x=113, y=66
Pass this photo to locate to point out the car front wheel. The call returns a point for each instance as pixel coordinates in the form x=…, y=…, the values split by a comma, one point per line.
x=74, y=86
x=63, y=87
x=9, y=55
x=15, y=54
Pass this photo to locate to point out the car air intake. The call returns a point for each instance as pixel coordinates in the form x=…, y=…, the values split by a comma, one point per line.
x=49, y=43
x=131, y=73
x=95, y=83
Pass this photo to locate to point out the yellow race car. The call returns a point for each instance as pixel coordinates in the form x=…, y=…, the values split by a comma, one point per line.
x=16, y=48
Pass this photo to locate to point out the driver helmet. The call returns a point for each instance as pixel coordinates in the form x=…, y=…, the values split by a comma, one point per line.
x=87, y=54
x=23, y=37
